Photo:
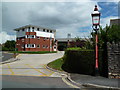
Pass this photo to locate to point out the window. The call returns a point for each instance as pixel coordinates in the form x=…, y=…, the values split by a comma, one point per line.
x=23, y=46
x=32, y=29
x=45, y=38
x=38, y=37
x=22, y=40
x=38, y=29
x=43, y=46
x=28, y=29
x=46, y=46
x=50, y=31
x=43, y=30
x=38, y=46
x=30, y=36
x=30, y=45
x=47, y=30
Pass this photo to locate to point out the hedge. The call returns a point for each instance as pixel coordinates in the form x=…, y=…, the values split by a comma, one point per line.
x=82, y=61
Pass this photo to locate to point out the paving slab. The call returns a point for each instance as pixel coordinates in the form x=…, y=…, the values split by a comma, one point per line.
x=95, y=80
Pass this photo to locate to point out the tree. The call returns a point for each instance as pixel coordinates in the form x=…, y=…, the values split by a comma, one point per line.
x=9, y=45
x=108, y=34
x=78, y=42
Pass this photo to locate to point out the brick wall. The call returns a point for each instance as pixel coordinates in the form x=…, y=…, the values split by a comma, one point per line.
x=42, y=41
x=113, y=60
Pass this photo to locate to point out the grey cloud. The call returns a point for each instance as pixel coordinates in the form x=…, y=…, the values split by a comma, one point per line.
x=65, y=17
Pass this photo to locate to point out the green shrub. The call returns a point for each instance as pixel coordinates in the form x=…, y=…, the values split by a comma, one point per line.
x=74, y=48
x=81, y=61
x=5, y=49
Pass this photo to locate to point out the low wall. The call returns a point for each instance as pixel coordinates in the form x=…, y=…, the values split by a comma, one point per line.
x=113, y=60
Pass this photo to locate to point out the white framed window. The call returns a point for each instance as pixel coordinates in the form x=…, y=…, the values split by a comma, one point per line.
x=38, y=29
x=38, y=46
x=30, y=36
x=30, y=45
x=47, y=30
x=23, y=46
x=38, y=37
x=43, y=46
x=43, y=30
x=46, y=38
x=28, y=29
x=33, y=29
x=22, y=39
x=46, y=46
x=50, y=31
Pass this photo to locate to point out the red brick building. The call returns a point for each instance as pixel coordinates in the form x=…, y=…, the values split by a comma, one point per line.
x=34, y=38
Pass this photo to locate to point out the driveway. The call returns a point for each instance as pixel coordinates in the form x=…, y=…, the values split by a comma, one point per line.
x=32, y=65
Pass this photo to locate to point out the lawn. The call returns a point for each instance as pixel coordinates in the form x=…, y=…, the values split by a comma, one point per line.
x=57, y=64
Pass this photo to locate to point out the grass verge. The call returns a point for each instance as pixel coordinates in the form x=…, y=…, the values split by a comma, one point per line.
x=30, y=52
x=57, y=64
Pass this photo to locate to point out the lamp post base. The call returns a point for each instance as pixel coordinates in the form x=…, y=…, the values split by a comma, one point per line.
x=97, y=72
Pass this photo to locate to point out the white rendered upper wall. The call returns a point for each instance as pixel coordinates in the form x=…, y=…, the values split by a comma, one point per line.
x=44, y=34
x=21, y=33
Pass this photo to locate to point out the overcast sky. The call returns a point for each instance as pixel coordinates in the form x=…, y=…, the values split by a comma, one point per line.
x=65, y=17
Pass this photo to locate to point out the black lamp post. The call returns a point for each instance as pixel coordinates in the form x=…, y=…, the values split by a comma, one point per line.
x=96, y=24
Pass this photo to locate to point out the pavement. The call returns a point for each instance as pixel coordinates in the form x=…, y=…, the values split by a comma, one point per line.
x=95, y=81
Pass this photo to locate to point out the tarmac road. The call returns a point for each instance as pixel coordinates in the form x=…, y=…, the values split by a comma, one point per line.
x=5, y=56
x=32, y=82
